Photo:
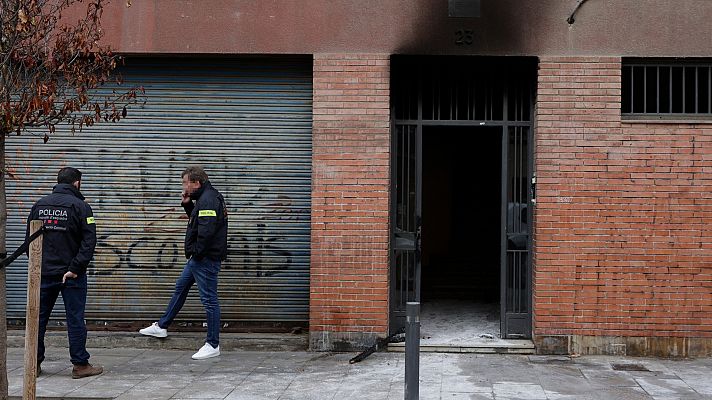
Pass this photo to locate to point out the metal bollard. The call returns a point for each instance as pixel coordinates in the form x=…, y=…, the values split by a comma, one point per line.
x=412, y=351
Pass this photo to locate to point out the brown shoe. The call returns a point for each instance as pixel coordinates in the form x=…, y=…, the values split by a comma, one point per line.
x=82, y=371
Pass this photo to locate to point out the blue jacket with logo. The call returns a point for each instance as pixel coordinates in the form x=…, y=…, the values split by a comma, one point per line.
x=70, y=232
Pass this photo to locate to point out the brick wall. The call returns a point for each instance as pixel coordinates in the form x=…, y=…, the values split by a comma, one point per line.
x=350, y=198
x=623, y=232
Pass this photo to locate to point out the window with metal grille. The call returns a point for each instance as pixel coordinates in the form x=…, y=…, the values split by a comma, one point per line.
x=673, y=89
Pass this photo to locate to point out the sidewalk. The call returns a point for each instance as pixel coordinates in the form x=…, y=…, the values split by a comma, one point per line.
x=133, y=374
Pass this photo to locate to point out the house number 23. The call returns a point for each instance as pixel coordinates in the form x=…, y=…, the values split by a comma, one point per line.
x=464, y=37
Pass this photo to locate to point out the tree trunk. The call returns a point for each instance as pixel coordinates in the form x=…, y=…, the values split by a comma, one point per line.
x=3, y=289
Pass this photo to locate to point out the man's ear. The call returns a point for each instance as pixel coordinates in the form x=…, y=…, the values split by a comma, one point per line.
x=77, y=184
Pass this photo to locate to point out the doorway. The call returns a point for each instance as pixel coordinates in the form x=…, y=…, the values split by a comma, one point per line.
x=460, y=293
x=461, y=190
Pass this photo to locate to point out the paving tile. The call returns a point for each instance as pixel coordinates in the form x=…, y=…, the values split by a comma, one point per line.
x=578, y=396
x=240, y=393
x=516, y=390
x=662, y=387
x=627, y=393
x=207, y=388
x=467, y=396
x=697, y=379
x=310, y=386
x=461, y=384
x=104, y=386
x=564, y=383
x=358, y=395
x=353, y=388
x=247, y=396
x=62, y=383
x=202, y=398
x=153, y=389
x=266, y=385
x=608, y=378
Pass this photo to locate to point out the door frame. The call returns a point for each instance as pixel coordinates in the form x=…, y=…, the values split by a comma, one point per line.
x=405, y=268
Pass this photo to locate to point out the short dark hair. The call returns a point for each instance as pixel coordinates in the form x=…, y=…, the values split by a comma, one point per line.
x=195, y=173
x=69, y=175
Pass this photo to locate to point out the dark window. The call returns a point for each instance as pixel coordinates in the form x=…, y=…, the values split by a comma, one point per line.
x=666, y=89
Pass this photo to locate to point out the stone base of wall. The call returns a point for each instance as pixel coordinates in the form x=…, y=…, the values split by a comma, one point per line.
x=624, y=346
x=341, y=341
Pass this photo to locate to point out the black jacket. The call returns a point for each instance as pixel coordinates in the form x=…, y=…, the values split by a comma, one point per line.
x=70, y=232
x=206, y=235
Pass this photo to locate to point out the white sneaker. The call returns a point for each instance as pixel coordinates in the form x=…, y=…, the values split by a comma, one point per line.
x=154, y=330
x=206, y=351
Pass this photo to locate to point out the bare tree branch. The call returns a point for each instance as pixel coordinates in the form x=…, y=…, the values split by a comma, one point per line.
x=50, y=69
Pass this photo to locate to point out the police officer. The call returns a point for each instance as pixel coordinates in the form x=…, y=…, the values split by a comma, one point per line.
x=67, y=248
x=205, y=248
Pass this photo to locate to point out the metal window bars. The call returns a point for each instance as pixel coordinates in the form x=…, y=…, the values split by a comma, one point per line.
x=667, y=90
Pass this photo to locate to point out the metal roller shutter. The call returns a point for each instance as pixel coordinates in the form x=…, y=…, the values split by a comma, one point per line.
x=248, y=121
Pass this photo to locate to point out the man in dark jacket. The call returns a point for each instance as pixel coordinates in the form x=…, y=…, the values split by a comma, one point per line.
x=67, y=248
x=205, y=248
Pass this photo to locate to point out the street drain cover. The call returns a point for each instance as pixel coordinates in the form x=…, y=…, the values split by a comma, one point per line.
x=629, y=367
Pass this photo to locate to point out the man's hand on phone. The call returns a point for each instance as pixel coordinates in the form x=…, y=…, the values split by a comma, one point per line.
x=186, y=198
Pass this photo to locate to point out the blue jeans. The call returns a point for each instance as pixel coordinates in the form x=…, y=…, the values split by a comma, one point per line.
x=74, y=294
x=205, y=274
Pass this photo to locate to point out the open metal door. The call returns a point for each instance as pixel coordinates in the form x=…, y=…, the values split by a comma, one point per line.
x=406, y=203
x=515, y=279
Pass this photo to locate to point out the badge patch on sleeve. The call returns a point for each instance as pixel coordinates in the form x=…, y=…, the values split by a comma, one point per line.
x=207, y=213
x=90, y=220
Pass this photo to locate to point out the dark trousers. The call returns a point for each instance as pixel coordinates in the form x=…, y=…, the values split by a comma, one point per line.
x=205, y=274
x=74, y=295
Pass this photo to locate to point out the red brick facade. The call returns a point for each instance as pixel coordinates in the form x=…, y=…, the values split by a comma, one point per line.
x=623, y=221
x=350, y=200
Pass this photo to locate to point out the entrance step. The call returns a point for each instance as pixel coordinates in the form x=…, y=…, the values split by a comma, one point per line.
x=497, y=347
